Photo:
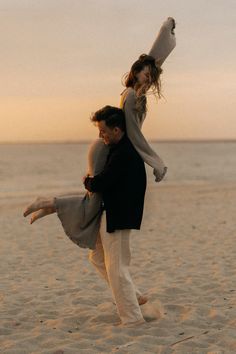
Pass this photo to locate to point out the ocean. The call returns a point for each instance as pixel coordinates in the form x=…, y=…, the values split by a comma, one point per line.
x=28, y=170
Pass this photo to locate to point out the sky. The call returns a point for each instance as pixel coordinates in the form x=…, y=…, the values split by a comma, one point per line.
x=61, y=60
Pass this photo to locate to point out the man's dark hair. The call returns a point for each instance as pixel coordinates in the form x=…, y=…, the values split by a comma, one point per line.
x=113, y=117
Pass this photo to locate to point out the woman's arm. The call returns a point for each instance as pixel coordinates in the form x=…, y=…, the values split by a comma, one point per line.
x=138, y=140
x=165, y=41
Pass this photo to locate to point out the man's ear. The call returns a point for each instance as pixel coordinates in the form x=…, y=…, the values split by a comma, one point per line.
x=117, y=130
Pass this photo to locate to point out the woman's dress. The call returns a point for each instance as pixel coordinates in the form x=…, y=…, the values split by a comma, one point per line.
x=80, y=214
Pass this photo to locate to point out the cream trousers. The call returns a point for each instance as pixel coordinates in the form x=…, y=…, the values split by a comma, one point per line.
x=111, y=259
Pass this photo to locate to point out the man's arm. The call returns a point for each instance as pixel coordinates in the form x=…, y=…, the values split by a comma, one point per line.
x=113, y=173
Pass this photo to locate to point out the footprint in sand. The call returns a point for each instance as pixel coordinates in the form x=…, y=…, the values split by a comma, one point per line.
x=178, y=312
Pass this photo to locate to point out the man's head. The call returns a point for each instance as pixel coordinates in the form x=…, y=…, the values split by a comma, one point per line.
x=111, y=124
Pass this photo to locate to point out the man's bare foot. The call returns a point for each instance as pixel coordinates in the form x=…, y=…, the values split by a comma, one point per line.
x=40, y=203
x=142, y=299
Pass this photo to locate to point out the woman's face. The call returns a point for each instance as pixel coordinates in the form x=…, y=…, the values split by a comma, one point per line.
x=144, y=77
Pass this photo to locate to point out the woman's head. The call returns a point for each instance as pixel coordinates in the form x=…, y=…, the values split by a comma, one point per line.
x=144, y=74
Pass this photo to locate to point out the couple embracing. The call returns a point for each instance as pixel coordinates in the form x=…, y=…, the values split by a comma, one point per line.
x=103, y=218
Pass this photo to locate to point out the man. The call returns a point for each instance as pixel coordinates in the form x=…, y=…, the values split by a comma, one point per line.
x=122, y=184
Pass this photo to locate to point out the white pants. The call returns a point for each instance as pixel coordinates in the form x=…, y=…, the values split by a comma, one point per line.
x=111, y=259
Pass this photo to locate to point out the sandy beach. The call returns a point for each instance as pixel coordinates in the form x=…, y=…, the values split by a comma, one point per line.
x=53, y=302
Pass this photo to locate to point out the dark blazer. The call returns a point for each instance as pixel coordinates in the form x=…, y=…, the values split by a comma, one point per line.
x=122, y=184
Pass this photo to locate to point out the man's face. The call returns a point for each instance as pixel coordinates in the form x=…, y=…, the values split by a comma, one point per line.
x=110, y=136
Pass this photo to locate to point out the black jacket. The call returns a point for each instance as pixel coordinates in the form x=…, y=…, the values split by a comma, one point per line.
x=122, y=184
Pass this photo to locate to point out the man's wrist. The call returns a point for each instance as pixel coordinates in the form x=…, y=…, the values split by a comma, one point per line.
x=87, y=183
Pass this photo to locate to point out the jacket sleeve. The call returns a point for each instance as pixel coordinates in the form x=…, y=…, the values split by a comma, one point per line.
x=137, y=138
x=112, y=174
x=165, y=41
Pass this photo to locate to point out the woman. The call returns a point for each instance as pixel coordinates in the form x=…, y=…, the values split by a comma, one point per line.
x=80, y=215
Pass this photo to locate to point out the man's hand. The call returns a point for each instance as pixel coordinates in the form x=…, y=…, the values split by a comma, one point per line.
x=88, y=175
x=84, y=179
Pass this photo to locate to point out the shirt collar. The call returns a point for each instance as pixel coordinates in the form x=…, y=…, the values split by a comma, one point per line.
x=120, y=142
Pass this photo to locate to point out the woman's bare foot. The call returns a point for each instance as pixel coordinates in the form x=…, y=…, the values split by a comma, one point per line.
x=40, y=203
x=41, y=213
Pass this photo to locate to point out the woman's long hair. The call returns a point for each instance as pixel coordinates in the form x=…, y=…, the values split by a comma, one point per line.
x=130, y=79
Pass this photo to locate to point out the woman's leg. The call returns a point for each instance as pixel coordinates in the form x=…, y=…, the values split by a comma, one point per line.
x=47, y=203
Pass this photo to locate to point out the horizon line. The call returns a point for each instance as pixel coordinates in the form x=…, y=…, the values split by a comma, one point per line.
x=88, y=141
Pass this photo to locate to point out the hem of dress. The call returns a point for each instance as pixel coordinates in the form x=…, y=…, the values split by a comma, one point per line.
x=68, y=234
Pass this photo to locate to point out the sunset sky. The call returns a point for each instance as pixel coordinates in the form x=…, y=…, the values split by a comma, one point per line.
x=63, y=59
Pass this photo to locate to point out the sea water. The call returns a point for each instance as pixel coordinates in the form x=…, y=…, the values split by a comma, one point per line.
x=28, y=170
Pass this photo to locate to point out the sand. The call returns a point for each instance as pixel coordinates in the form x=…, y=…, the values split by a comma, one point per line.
x=52, y=300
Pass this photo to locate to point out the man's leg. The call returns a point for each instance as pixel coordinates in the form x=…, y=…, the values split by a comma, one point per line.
x=96, y=257
x=117, y=259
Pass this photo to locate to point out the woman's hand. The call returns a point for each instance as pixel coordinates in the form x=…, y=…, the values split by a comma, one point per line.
x=173, y=24
x=159, y=177
x=40, y=208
